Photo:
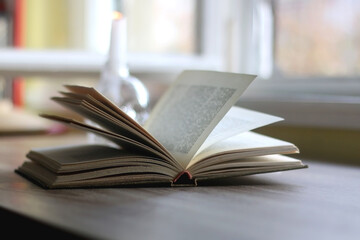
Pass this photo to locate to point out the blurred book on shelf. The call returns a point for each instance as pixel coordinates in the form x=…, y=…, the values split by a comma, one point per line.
x=59, y=25
x=37, y=25
x=17, y=121
x=5, y=25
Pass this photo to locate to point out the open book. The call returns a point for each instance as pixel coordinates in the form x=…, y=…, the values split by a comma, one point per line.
x=194, y=133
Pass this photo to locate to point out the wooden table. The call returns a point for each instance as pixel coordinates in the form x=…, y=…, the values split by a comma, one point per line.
x=321, y=202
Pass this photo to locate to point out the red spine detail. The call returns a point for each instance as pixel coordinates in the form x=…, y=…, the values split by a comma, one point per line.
x=19, y=16
x=18, y=42
x=181, y=174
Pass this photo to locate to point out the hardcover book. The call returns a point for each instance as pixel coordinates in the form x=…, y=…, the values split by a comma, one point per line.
x=195, y=132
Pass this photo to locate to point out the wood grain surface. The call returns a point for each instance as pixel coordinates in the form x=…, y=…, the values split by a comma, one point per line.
x=321, y=202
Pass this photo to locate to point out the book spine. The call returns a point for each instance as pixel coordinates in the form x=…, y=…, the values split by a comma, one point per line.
x=18, y=42
x=184, y=179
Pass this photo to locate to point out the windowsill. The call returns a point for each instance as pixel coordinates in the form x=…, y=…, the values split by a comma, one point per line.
x=18, y=62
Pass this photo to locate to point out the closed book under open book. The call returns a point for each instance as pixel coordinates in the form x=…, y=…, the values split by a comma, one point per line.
x=194, y=133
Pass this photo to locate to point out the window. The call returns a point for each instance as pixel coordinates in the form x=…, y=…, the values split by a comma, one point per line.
x=318, y=37
x=304, y=51
x=162, y=26
x=311, y=53
x=163, y=35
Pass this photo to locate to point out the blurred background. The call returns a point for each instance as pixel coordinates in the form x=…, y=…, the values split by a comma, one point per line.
x=306, y=55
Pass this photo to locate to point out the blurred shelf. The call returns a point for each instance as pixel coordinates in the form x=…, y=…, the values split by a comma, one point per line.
x=37, y=62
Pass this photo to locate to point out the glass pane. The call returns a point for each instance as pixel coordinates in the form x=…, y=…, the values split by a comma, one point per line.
x=161, y=26
x=318, y=37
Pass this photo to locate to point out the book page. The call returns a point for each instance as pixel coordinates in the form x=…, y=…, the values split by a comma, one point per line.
x=243, y=142
x=80, y=158
x=236, y=121
x=110, y=106
x=264, y=164
x=192, y=107
x=107, y=121
x=119, y=140
x=259, y=163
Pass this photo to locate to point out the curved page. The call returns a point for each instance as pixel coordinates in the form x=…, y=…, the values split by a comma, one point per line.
x=236, y=121
x=192, y=107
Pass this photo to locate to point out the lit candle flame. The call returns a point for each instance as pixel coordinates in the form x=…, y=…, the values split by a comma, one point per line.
x=117, y=15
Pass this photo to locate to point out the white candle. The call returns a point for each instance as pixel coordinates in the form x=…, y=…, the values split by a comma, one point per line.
x=118, y=42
